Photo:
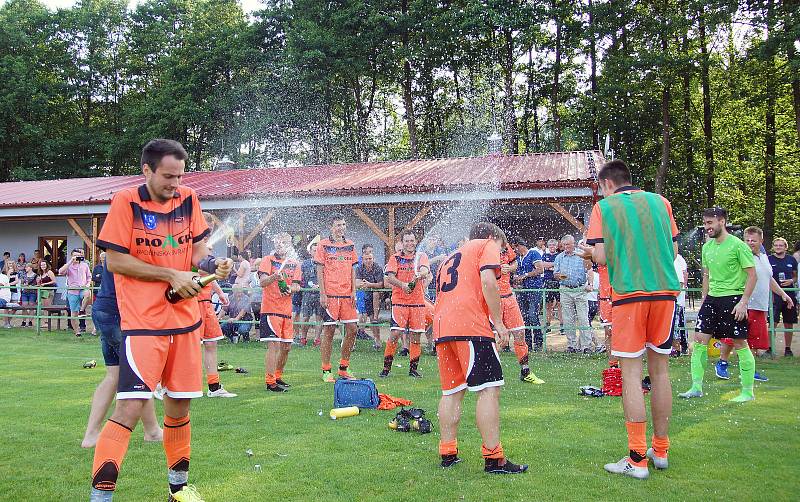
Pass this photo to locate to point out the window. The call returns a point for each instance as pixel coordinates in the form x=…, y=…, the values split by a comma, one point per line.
x=54, y=251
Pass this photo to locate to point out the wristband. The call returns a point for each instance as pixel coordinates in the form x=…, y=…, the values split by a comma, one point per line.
x=208, y=264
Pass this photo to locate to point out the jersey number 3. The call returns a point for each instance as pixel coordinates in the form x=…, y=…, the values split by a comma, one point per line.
x=452, y=273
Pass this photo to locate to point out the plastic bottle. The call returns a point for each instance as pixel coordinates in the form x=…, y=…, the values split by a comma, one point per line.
x=349, y=411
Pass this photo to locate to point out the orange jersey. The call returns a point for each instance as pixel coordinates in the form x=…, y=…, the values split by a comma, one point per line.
x=507, y=257
x=272, y=301
x=159, y=234
x=461, y=312
x=205, y=294
x=605, y=286
x=402, y=267
x=338, y=260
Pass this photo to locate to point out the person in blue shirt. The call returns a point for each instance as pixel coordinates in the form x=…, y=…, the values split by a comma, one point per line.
x=106, y=319
x=784, y=271
x=529, y=275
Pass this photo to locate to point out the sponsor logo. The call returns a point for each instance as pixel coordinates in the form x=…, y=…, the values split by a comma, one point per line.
x=156, y=242
x=138, y=386
x=171, y=241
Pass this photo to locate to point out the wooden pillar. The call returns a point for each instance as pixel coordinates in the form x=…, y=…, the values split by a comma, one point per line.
x=94, y=239
x=391, y=235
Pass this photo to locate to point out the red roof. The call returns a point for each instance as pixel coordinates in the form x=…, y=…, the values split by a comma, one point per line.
x=542, y=170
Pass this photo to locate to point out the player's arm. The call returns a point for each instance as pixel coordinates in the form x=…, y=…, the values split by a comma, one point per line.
x=509, y=268
x=353, y=282
x=740, y=310
x=392, y=279
x=547, y=265
x=491, y=294
x=538, y=269
x=778, y=290
x=704, y=287
x=423, y=272
x=323, y=298
x=125, y=264
x=598, y=253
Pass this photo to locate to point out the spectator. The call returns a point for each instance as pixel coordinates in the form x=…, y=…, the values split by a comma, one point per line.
x=529, y=275
x=5, y=295
x=37, y=257
x=27, y=297
x=79, y=278
x=311, y=306
x=12, y=272
x=592, y=289
x=540, y=245
x=46, y=279
x=243, y=273
x=238, y=316
x=570, y=270
x=784, y=271
x=21, y=261
x=434, y=247
x=551, y=297
x=796, y=256
x=97, y=271
x=255, y=291
x=369, y=277
x=7, y=259
x=680, y=344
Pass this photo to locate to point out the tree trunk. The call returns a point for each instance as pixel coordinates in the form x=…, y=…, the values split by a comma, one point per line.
x=770, y=134
x=593, y=77
x=793, y=63
x=459, y=102
x=510, y=122
x=526, y=112
x=408, y=97
x=707, y=131
x=661, y=174
x=556, y=88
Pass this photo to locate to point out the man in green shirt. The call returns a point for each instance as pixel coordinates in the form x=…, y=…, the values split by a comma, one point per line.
x=729, y=277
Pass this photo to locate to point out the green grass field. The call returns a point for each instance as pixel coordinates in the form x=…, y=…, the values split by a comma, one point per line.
x=719, y=450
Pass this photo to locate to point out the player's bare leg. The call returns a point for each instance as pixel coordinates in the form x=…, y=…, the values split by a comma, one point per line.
x=521, y=351
x=350, y=330
x=414, y=353
x=635, y=464
x=283, y=356
x=389, y=352
x=325, y=347
x=215, y=388
x=449, y=418
x=271, y=361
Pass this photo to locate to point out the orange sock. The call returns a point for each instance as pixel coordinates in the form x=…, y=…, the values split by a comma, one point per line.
x=109, y=454
x=178, y=447
x=278, y=373
x=495, y=453
x=343, y=365
x=414, y=351
x=326, y=367
x=270, y=379
x=637, y=442
x=211, y=379
x=660, y=446
x=448, y=447
x=390, y=349
x=521, y=350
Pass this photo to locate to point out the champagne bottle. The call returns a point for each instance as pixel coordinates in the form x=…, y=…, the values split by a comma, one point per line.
x=282, y=286
x=174, y=297
x=412, y=284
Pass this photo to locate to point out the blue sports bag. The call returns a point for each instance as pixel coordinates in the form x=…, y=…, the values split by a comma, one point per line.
x=361, y=393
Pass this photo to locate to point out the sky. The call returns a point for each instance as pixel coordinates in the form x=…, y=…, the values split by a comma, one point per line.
x=247, y=5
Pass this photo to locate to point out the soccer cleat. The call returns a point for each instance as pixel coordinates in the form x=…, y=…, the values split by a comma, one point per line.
x=221, y=392
x=449, y=461
x=414, y=374
x=275, y=388
x=403, y=352
x=658, y=462
x=787, y=352
x=384, y=373
x=721, y=369
x=760, y=378
x=493, y=466
x=327, y=377
x=90, y=364
x=224, y=366
x=186, y=494
x=531, y=378
x=691, y=393
x=743, y=397
x=344, y=375
x=626, y=468
x=282, y=383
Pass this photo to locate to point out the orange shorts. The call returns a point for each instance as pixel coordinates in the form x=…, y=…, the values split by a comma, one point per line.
x=512, y=315
x=173, y=360
x=642, y=325
x=210, y=330
x=468, y=364
x=605, y=311
x=276, y=328
x=340, y=309
x=408, y=316
x=428, y=315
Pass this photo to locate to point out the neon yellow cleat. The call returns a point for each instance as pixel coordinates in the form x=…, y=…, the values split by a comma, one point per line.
x=187, y=494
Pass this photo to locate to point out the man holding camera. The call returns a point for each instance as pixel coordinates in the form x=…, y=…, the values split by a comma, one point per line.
x=78, y=277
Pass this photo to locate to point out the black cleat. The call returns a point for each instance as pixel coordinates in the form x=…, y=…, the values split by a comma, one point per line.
x=276, y=388
x=493, y=466
x=414, y=374
x=449, y=460
x=403, y=352
x=280, y=382
x=384, y=373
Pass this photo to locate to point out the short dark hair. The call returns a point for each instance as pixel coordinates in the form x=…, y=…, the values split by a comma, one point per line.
x=615, y=171
x=365, y=247
x=518, y=241
x=335, y=217
x=7, y=253
x=715, y=212
x=157, y=149
x=486, y=230
x=407, y=232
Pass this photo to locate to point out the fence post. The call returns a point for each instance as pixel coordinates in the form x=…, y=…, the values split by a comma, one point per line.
x=544, y=326
x=38, y=310
x=771, y=321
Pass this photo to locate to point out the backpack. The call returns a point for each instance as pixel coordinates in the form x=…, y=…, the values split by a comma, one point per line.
x=361, y=393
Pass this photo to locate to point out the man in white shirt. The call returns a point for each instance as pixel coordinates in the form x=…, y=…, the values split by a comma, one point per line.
x=757, y=307
x=5, y=295
x=680, y=345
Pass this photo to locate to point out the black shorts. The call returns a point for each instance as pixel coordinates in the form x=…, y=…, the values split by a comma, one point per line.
x=781, y=310
x=716, y=318
x=468, y=364
x=552, y=296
